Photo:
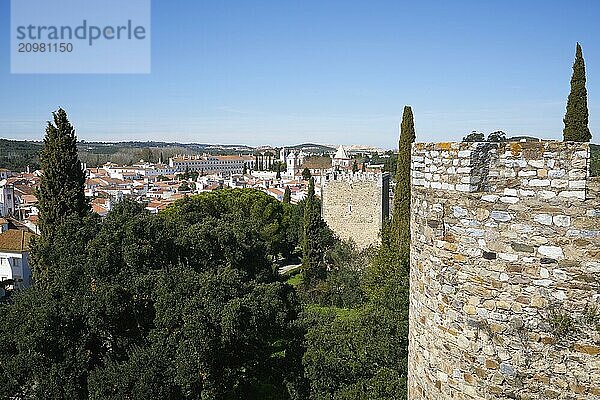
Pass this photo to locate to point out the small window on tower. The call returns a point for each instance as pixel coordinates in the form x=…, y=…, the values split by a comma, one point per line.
x=349, y=208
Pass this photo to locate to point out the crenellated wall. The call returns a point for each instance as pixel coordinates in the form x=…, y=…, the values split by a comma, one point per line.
x=505, y=272
x=355, y=205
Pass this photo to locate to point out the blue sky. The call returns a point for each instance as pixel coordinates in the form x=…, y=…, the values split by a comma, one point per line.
x=285, y=72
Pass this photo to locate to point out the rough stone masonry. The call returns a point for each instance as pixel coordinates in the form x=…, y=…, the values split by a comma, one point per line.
x=355, y=205
x=505, y=272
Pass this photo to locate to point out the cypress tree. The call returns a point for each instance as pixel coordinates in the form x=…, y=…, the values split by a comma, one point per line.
x=401, y=212
x=576, y=117
x=62, y=185
x=312, y=241
x=354, y=167
x=287, y=196
x=306, y=175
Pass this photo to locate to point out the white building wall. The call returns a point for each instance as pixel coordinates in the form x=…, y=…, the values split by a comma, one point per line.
x=15, y=266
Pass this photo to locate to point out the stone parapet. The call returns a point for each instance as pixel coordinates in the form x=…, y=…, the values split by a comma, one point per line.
x=505, y=272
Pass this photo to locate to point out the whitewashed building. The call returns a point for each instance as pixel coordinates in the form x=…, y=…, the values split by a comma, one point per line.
x=7, y=198
x=14, y=257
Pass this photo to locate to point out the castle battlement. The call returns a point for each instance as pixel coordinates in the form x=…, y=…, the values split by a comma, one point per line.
x=356, y=205
x=355, y=177
x=546, y=169
x=505, y=268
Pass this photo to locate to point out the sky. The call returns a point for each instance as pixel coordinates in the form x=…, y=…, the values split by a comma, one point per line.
x=332, y=72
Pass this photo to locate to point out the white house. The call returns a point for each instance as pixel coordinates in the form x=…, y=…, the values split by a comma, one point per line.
x=7, y=198
x=14, y=257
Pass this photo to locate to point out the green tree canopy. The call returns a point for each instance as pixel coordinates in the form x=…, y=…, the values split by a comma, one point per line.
x=180, y=305
x=474, y=137
x=306, y=175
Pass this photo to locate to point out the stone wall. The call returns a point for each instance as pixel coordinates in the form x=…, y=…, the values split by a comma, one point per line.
x=355, y=205
x=505, y=272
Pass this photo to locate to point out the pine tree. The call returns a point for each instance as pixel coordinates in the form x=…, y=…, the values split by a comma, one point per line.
x=576, y=117
x=62, y=185
x=287, y=196
x=401, y=213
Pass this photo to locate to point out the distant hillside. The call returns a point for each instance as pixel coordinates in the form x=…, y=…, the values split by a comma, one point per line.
x=18, y=155
x=312, y=148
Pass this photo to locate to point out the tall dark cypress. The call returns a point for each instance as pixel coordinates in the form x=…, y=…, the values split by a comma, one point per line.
x=287, y=196
x=576, y=117
x=61, y=191
x=312, y=241
x=401, y=213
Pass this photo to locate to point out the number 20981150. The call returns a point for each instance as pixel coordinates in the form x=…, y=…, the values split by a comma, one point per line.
x=45, y=47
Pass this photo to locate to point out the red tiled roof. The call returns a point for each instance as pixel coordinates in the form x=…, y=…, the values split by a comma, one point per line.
x=15, y=240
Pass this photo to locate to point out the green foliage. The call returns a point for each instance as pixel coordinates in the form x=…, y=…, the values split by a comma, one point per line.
x=497, y=136
x=18, y=155
x=474, y=137
x=361, y=352
x=595, y=160
x=341, y=287
x=61, y=197
x=562, y=323
x=61, y=191
x=354, y=167
x=184, y=187
x=316, y=238
x=242, y=227
x=188, y=175
x=591, y=316
x=389, y=161
x=148, y=155
x=576, y=116
x=159, y=306
x=358, y=355
x=295, y=279
x=306, y=175
x=401, y=211
x=287, y=195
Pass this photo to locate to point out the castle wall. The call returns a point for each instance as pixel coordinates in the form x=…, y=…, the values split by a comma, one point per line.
x=505, y=272
x=355, y=205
